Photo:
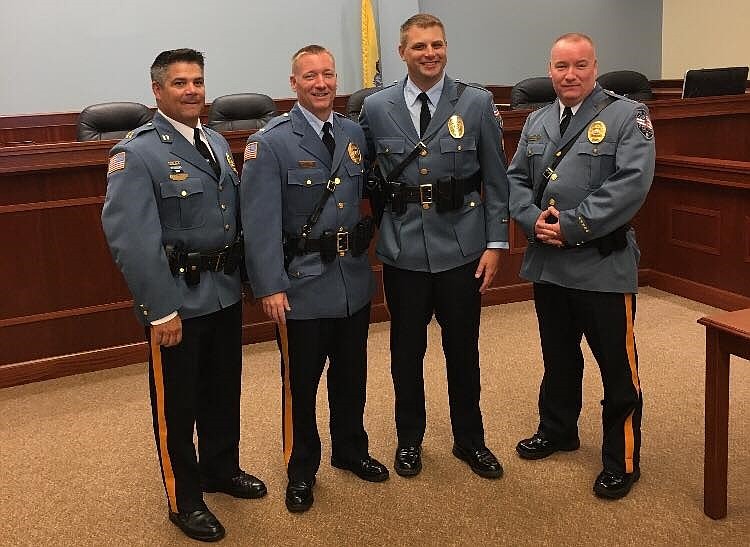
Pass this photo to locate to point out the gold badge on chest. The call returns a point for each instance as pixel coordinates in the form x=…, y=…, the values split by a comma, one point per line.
x=456, y=126
x=354, y=153
x=596, y=132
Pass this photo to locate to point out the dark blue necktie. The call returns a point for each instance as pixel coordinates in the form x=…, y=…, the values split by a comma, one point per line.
x=565, y=120
x=205, y=152
x=328, y=139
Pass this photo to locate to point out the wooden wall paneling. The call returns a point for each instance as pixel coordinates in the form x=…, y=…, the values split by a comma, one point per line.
x=695, y=228
x=699, y=227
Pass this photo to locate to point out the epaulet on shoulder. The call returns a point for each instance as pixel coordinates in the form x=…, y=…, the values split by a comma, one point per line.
x=471, y=84
x=620, y=97
x=278, y=120
x=539, y=111
x=386, y=86
x=145, y=128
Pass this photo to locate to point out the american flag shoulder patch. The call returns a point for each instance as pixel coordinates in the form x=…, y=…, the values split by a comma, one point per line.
x=116, y=163
x=251, y=151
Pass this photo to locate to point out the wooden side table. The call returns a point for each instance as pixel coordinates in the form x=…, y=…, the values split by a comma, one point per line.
x=726, y=334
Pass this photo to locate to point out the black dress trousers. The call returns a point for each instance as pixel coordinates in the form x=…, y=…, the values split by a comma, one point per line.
x=343, y=342
x=453, y=296
x=606, y=319
x=195, y=385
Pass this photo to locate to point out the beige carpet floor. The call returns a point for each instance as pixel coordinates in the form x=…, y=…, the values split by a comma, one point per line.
x=78, y=465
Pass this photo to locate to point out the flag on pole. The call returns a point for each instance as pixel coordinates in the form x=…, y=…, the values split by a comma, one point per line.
x=371, y=75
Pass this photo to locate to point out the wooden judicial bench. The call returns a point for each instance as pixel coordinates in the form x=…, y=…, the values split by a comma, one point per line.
x=726, y=334
x=65, y=308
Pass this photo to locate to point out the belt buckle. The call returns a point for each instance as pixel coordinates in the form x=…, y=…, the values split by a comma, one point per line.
x=425, y=195
x=342, y=242
x=331, y=185
x=548, y=173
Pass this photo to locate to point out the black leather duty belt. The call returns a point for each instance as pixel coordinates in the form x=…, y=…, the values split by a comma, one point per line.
x=424, y=192
x=225, y=260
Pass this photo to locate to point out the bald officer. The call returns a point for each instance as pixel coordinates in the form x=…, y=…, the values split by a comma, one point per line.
x=583, y=167
x=170, y=217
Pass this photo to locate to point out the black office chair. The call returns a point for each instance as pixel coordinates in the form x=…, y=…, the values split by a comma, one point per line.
x=629, y=83
x=240, y=111
x=354, y=104
x=532, y=93
x=105, y=121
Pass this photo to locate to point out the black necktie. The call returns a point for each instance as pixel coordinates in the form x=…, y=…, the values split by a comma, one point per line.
x=565, y=120
x=205, y=152
x=424, y=114
x=328, y=138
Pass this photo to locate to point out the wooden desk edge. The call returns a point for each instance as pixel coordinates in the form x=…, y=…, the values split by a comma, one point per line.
x=733, y=322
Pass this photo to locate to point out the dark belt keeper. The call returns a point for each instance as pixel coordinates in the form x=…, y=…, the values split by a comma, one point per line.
x=328, y=249
x=363, y=232
x=192, y=269
x=396, y=196
x=450, y=195
x=234, y=257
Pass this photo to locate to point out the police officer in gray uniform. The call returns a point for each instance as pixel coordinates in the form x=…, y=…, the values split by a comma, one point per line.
x=306, y=249
x=437, y=142
x=583, y=167
x=170, y=218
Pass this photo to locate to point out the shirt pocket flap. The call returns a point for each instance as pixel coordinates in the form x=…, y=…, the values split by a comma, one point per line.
x=307, y=177
x=600, y=149
x=449, y=144
x=353, y=169
x=186, y=188
x=535, y=148
x=390, y=146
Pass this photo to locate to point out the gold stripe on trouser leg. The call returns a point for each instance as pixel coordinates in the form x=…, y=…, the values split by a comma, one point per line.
x=630, y=347
x=287, y=425
x=166, y=463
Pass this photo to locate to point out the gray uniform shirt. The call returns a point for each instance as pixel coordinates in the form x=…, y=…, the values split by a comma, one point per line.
x=285, y=171
x=423, y=239
x=161, y=191
x=601, y=183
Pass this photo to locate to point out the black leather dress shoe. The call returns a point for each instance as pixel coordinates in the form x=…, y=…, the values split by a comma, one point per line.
x=408, y=460
x=538, y=447
x=242, y=485
x=201, y=525
x=299, y=495
x=367, y=468
x=615, y=485
x=481, y=460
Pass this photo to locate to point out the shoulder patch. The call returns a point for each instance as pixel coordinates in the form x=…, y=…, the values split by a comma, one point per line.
x=116, y=163
x=643, y=123
x=251, y=151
